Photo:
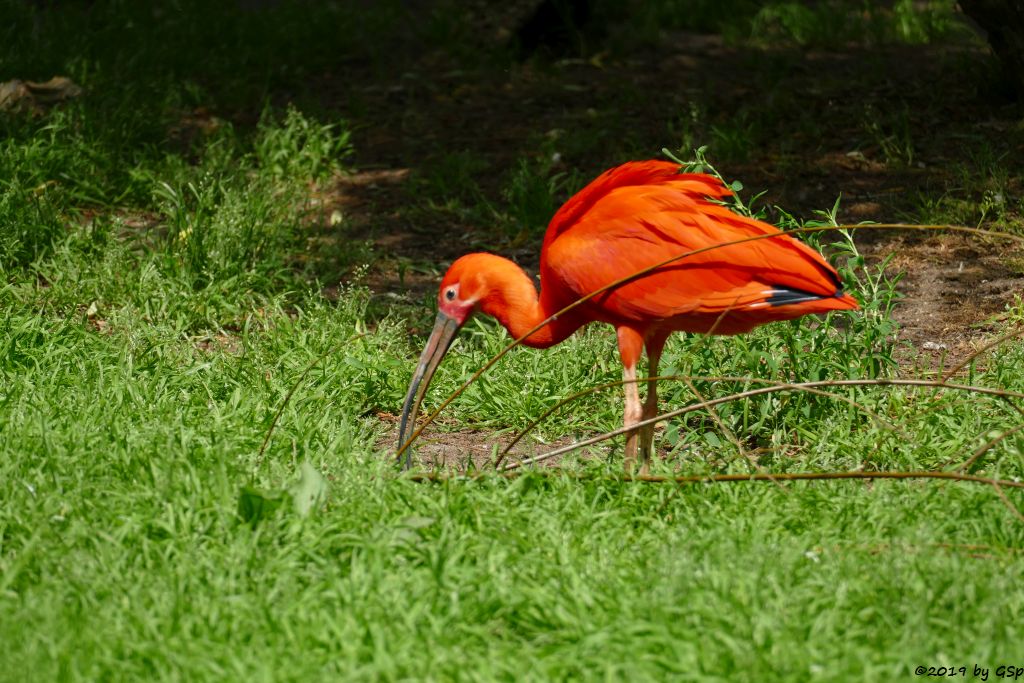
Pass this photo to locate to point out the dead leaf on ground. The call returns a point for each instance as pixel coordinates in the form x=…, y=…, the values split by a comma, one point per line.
x=35, y=97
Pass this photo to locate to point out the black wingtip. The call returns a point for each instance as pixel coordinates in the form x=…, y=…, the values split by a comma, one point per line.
x=786, y=296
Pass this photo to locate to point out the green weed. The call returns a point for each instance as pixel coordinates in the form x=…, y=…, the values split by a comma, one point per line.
x=891, y=134
x=299, y=147
x=822, y=24
x=734, y=140
x=688, y=128
x=533, y=192
x=29, y=224
x=983, y=192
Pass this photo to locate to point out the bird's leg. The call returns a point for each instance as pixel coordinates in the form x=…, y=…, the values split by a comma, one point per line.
x=655, y=345
x=632, y=415
x=630, y=347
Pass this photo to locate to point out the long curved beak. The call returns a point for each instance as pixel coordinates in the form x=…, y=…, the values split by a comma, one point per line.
x=441, y=338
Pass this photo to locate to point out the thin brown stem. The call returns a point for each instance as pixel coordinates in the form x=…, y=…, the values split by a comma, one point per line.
x=987, y=446
x=980, y=350
x=713, y=413
x=728, y=478
x=998, y=486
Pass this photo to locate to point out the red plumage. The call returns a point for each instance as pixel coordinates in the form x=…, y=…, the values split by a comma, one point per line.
x=628, y=219
x=643, y=213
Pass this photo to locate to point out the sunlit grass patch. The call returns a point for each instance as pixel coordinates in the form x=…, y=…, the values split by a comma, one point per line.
x=219, y=236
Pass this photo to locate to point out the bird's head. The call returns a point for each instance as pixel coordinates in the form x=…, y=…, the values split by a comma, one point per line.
x=482, y=282
x=462, y=289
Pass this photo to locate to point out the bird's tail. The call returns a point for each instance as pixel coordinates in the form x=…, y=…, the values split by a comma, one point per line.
x=810, y=302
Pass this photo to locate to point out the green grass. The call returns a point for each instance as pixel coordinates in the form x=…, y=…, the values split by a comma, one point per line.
x=123, y=556
x=795, y=23
x=161, y=293
x=985, y=192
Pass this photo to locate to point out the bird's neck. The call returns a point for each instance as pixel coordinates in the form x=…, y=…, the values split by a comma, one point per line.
x=514, y=301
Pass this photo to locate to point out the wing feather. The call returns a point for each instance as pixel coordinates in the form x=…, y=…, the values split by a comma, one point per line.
x=637, y=217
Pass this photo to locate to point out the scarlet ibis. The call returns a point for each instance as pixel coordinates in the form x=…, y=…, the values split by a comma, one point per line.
x=630, y=218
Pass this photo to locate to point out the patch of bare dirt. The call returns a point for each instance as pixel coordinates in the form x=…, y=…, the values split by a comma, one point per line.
x=954, y=290
x=467, y=449
x=36, y=97
x=220, y=343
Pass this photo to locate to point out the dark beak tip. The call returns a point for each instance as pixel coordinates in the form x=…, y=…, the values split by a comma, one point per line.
x=441, y=338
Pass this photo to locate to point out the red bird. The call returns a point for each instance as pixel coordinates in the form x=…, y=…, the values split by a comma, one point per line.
x=630, y=218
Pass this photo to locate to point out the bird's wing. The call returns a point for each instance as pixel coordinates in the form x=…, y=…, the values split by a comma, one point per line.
x=627, y=228
x=631, y=174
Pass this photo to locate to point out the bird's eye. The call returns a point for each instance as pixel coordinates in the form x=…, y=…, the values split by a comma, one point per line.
x=450, y=294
